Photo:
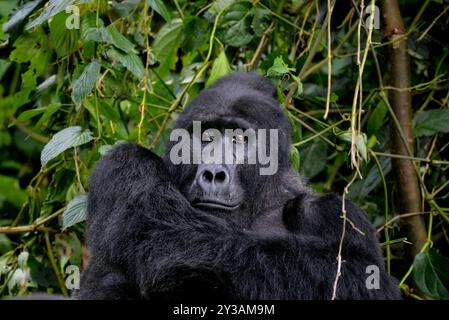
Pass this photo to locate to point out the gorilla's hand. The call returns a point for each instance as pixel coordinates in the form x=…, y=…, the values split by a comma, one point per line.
x=321, y=217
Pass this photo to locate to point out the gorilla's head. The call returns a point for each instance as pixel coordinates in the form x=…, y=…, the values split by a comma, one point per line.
x=233, y=190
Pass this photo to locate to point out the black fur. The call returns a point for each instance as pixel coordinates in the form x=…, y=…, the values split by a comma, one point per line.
x=147, y=241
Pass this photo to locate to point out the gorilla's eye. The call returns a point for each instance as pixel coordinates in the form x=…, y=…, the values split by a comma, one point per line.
x=239, y=138
x=207, y=137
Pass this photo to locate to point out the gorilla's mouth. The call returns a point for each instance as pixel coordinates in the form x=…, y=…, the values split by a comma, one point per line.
x=214, y=204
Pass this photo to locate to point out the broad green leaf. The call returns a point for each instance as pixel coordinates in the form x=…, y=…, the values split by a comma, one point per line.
x=295, y=158
x=52, y=9
x=235, y=24
x=427, y=123
x=88, y=23
x=261, y=21
x=34, y=48
x=220, y=68
x=65, y=139
x=159, y=7
x=279, y=68
x=11, y=192
x=28, y=114
x=220, y=5
x=108, y=35
x=430, y=271
x=361, y=188
x=339, y=65
x=75, y=212
x=313, y=157
x=193, y=34
x=96, y=34
x=21, y=14
x=131, y=62
x=119, y=40
x=167, y=43
x=50, y=110
x=63, y=40
x=84, y=84
x=377, y=117
x=5, y=246
x=125, y=7
x=41, y=273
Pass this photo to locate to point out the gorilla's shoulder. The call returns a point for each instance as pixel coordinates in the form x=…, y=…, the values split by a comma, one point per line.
x=122, y=151
x=123, y=160
x=248, y=80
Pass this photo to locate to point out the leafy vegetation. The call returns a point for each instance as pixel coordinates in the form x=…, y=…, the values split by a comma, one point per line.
x=78, y=76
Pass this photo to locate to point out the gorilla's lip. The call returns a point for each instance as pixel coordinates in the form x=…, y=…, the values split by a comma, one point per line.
x=214, y=204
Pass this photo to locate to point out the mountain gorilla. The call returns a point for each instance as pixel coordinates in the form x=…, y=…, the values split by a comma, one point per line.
x=158, y=230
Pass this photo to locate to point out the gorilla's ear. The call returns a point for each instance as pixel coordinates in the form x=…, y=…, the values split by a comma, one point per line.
x=250, y=80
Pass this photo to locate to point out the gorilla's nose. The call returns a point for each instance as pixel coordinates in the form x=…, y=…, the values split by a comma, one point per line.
x=213, y=178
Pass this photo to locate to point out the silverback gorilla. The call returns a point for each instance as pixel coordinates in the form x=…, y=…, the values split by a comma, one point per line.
x=156, y=230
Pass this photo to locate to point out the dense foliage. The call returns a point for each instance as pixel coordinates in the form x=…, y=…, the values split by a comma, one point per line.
x=75, y=82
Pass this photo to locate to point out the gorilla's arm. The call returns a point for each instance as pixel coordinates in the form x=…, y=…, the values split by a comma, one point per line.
x=144, y=235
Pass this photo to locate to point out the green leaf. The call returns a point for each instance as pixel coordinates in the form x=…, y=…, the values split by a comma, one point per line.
x=41, y=273
x=28, y=114
x=279, y=68
x=34, y=48
x=193, y=34
x=119, y=40
x=361, y=188
x=125, y=7
x=75, y=212
x=427, y=123
x=53, y=8
x=313, y=158
x=235, y=24
x=11, y=192
x=430, y=271
x=50, y=110
x=131, y=62
x=21, y=14
x=377, y=117
x=84, y=84
x=5, y=245
x=167, y=43
x=108, y=35
x=220, y=68
x=261, y=21
x=63, y=140
x=63, y=40
x=295, y=158
x=160, y=8
x=220, y=5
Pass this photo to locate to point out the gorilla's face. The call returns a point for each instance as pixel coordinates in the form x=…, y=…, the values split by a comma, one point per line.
x=217, y=185
x=223, y=179
x=231, y=114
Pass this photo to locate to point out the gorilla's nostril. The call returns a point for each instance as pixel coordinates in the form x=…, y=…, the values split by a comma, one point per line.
x=220, y=176
x=208, y=176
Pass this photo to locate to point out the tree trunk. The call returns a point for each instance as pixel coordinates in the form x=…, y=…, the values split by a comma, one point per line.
x=404, y=173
